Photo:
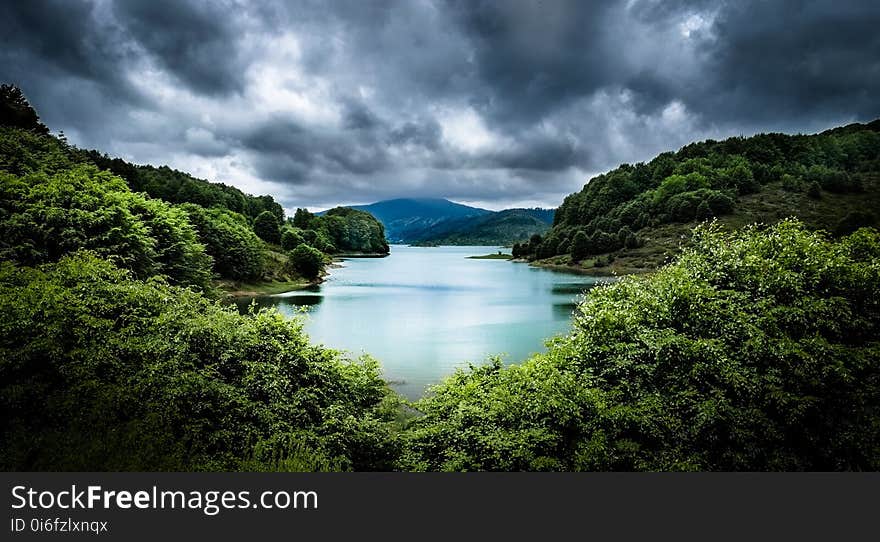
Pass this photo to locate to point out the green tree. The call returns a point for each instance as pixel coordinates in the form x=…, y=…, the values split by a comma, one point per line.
x=237, y=252
x=45, y=217
x=580, y=246
x=516, y=250
x=703, y=211
x=291, y=239
x=307, y=261
x=102, y=372
x=267, y=227
x=302, y=219
x=15, y=111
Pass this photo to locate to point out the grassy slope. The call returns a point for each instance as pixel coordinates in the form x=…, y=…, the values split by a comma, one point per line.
x=768, y=206
x=277, y=278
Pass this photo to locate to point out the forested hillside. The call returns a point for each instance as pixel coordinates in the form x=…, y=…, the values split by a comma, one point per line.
x=432, y=221
x=498, y=228
x=634, y=217
x=344, y=230
x=409, y=219
x=176, y=186
x=58, y=199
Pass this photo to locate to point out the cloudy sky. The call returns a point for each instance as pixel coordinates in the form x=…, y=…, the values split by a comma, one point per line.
x=504, y=103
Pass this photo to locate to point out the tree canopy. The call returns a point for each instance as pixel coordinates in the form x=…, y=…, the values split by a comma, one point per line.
x=48, y=216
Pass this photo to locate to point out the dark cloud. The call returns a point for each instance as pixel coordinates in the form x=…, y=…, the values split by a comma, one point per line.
x=359, y=117
x=500, y=103
x=424, y=133
x=66, y=38
x=289, y=153
x=195, y=41
x=794, y=62
x=532, y=57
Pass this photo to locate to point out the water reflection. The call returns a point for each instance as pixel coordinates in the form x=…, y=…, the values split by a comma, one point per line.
x=564, y=310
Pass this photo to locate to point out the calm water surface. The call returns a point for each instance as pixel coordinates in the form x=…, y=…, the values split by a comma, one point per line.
x=425, y=311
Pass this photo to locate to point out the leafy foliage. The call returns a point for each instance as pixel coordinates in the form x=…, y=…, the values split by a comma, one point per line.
x=237, y=251
x=308, y=261
x=268, y=228
x=102, y=372
x=495, y=228
x=756, y=350
x=291, y=239
x=178, y=187
x=45, y=217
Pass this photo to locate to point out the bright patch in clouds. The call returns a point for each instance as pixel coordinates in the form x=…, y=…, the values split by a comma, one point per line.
x=466, y=131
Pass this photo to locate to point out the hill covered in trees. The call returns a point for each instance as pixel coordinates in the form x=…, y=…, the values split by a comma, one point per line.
x=409, y=219
x=154, y=220
x=113, y=354
x=634, y=217
x=498, y=228
x=433, y=221
x=344, y=230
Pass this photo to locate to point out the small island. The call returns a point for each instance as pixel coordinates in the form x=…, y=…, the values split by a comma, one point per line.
x=497, y=256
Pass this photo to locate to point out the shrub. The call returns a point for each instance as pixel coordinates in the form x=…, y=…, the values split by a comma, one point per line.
x=291, y=239
x=47, y=216
x=307, y=261
x=237, y=252
x=580, y=246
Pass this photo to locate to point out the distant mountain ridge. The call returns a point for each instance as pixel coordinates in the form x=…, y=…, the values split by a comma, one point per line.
x=409, y=219
x=437, y=221
x=498, y=228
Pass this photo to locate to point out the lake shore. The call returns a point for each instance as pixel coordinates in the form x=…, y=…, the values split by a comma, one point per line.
x=268, y=287
x=602, y=271
x=498, y=256
x=233, y=289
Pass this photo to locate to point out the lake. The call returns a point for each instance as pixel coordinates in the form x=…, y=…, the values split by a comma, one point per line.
x=423, y=311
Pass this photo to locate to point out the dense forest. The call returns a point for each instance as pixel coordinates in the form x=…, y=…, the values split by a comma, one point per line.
x=755, y=349
x=637, y=214
x=154, y=220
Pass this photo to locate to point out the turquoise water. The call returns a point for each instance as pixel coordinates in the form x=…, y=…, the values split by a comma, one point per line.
x=423, y=311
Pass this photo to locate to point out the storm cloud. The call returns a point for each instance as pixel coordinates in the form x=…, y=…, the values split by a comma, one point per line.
x=493, y=103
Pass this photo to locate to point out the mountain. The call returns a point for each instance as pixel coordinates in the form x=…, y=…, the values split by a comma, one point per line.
x=409, y=219
x=635, y=217
x=435, y=221
x=497, y=228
